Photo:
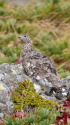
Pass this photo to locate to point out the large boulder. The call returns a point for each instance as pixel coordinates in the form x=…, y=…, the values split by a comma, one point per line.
x=10, y=75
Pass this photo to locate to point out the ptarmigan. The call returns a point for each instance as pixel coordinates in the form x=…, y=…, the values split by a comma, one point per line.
x=38, y=66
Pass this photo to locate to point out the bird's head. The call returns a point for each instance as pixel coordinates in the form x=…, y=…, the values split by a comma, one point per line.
x=24, y=38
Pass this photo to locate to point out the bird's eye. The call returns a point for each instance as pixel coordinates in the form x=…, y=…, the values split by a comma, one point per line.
x=24, y=36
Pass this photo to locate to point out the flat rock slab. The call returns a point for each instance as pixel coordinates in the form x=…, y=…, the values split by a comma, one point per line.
x=10, y=75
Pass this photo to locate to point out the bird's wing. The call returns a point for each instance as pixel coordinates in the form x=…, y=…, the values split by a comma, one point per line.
x=44, y=60
x=40, y=64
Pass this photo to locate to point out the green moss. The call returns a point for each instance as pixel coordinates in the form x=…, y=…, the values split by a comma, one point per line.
x=25, y=96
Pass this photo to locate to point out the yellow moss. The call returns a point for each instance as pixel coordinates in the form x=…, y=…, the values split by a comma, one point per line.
x=25, y=95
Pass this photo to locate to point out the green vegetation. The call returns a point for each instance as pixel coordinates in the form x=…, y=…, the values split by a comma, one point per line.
x=25, y=97
x=41, y=116
x=48, y=25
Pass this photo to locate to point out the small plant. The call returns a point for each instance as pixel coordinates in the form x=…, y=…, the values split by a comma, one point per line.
x=41, y=116
x=25, y=97
x=64, y=119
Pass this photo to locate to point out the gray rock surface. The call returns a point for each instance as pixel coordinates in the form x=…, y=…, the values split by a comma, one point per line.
x=10, y=75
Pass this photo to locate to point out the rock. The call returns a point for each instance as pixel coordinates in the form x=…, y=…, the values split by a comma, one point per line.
x=1, y=77
x=1, y=115
x=10, y=75
x=66, y=82
x=49, y=97
x=68, y=94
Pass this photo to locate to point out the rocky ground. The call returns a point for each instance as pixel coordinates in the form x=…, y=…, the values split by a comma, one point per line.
x=10, y=75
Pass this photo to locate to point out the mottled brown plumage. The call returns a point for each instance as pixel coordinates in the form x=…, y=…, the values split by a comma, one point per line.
x=38, y=66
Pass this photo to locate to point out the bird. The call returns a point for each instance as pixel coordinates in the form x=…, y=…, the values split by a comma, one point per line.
x=38, y=66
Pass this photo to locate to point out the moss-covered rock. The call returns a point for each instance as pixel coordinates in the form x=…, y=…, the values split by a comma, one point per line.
x=25, y=96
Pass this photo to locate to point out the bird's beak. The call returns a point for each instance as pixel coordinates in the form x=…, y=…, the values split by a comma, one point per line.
x=19, y=37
